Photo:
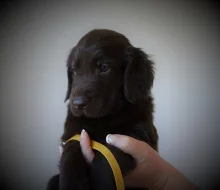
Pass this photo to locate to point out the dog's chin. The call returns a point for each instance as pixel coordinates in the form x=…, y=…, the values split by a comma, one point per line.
x=89, y=114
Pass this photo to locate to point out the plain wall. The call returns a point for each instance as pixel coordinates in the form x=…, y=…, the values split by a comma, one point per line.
x=35, y=38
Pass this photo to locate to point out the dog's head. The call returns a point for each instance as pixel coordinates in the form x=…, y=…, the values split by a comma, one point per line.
x=104, y=72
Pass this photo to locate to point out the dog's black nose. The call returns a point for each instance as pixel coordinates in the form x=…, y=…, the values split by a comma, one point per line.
x=80, y=102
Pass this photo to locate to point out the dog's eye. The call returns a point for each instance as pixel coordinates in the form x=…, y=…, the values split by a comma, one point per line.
x=104, y=68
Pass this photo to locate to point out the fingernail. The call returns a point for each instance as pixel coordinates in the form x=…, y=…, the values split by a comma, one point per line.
x=108, y=139
x=82, y=133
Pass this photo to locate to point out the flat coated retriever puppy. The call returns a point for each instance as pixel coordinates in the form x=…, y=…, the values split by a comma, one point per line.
x=109, y=92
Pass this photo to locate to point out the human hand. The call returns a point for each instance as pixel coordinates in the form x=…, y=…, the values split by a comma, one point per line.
x=151, y=171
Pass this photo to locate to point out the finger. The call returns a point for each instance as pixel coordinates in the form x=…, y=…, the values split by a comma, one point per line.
x=129, y=145
x=85, y=147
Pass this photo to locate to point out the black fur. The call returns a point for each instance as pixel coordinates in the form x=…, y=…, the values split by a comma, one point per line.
x=115, y=79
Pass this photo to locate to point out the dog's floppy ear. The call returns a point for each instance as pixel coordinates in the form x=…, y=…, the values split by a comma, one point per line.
x=69, y=74
x=139, y=75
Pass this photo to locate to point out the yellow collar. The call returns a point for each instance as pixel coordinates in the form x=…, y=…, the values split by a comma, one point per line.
x=111, y=159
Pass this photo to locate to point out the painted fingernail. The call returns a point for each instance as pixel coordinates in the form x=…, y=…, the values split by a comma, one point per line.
x=108, y=139
x=82, y=133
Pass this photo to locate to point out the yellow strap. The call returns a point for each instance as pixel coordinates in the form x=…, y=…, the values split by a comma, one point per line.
x=111, y=159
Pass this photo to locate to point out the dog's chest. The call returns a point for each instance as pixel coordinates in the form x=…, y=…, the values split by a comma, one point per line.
x=98, y=131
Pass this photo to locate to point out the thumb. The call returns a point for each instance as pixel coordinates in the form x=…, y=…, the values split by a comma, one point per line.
x=137, y=149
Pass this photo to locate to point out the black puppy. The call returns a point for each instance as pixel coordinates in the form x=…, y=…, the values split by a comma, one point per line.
x=109, y=83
